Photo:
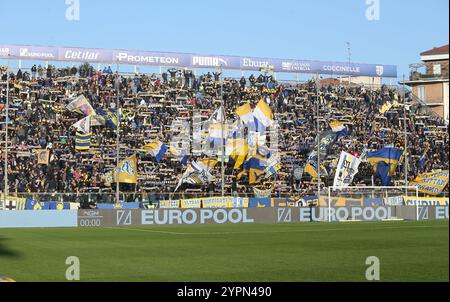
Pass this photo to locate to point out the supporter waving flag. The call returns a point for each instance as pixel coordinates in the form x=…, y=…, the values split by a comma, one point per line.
x=339, y=128
x=385, y=162
x=178, y=153
x=81, y=105
x=263, y=116
x=83, y=141
x=198, y=173
x=156, y=149
x=237, y=150
x=83, y=125
x=127, y=170
x=245, y=114
x=273, y=166
x=110, y=116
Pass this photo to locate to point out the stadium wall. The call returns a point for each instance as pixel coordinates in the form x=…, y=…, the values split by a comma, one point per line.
x=136, y=217
x=155, y=217
x=38, y=219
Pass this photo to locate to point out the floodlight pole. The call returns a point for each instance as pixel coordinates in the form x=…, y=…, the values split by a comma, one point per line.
x=222, y=126
x=6, y=189
x=405, y=156
x=318, y=136
x=117, y=137
x=349, y=62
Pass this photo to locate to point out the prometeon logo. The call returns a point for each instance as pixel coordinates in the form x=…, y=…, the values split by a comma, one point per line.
x=123, y=56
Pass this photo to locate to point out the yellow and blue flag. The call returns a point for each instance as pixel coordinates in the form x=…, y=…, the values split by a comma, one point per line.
x=384, y=162
x=237, y=150
x=83, y=141
x=273, y=166
x=256, y=167
x=156, y=149
x=245, y=113
x=326, y=140
x=110, y=116
x=179, y=154
x=339, y=128
x=217, y=132
x=263, y=116
x=198, y=172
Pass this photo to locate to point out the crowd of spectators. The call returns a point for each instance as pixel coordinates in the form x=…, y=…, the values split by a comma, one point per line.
x=151, y=103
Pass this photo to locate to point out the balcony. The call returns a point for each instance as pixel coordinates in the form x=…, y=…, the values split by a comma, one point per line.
x=417, y=76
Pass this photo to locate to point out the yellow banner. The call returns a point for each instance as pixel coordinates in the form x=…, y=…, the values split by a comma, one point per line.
x=217, y=202
x=128, y=170
x=431, y=183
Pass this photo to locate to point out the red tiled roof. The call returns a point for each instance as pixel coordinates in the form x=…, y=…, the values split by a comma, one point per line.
x=436, y=51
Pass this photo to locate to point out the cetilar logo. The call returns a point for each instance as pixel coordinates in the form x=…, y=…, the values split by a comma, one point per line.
x=82, y=55
x=208, y=61
x=380, y=70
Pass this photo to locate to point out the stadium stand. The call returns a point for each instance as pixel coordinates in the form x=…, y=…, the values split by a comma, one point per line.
x=38, y=120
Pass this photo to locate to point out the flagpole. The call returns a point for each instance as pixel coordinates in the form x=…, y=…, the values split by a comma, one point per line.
x=6, y=189
x=318, y=136
x=117, y=136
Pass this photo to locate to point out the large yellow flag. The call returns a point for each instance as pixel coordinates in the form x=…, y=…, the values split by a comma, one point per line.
x=128, y=170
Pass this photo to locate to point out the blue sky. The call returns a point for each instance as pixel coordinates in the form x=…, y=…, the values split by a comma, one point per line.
x=314, y=29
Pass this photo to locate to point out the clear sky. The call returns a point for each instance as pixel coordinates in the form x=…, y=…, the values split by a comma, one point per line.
x=297, y=29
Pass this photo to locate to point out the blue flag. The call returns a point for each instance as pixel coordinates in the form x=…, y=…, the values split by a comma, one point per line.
x=110, y=116
x=383, y=173
x=36, y=205
x=423, y=160
x=54, y=205
x=259, y=202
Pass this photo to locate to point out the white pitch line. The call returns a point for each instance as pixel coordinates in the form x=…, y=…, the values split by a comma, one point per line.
x=280, y=231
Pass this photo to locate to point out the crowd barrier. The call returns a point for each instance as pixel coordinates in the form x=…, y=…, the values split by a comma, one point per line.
x=14, y=203
x=154, y=217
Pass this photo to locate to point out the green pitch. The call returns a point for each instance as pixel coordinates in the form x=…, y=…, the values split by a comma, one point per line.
x=408, y=251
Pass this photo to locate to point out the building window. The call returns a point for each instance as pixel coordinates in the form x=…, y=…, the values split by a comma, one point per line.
x=437, y=69
x=421, y=91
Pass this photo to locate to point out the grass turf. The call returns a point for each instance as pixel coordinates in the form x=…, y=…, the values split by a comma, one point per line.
x=408, y=251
